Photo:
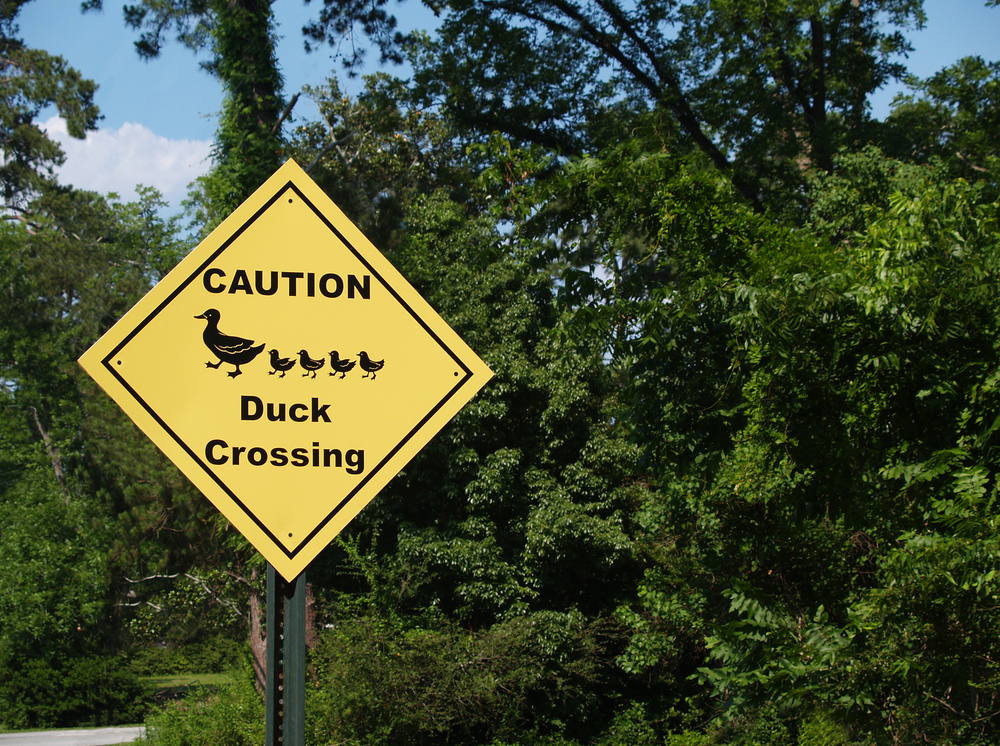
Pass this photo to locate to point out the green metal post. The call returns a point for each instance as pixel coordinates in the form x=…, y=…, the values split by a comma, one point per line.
x=275, y=681
x=285, y=716
x=295, y=661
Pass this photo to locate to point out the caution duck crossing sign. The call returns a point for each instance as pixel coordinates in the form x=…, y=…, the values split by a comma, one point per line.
x=287, y=369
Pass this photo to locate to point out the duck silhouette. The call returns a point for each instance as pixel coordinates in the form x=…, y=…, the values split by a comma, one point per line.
x=370, y=366
x=340, y=366
x=308, y=364
x=280, y=364
x=233, y=350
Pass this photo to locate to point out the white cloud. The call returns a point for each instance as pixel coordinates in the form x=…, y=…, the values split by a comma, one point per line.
x=117, y=160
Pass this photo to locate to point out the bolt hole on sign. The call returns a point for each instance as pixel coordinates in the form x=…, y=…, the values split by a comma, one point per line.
x=287, y=369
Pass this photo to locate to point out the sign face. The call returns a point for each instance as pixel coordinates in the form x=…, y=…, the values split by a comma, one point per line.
x=287, y=369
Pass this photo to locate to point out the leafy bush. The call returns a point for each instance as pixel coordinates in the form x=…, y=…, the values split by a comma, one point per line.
x=231, y=716
x=632, y=727
x=820, y=729
x=93, y=691
x=527, y=680
x=214, y=655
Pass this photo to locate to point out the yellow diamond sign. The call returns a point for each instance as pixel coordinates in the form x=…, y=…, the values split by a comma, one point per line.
x=287, y=369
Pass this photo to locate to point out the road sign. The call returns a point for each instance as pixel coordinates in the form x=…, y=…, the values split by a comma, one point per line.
x=287, y=369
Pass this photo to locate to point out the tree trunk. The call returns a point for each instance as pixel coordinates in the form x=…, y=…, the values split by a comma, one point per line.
x=258, y=633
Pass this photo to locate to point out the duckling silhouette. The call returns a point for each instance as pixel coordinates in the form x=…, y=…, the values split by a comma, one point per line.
x=280, y=364
x=340, y=366
x=233, y=350
x=310, y=365
x=370, y=366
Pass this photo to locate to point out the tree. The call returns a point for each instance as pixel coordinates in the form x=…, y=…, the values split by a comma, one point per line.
x=63, y=533
x=240, y=36
x=78, y=505
x=374, y=155
x=68, y=284
x=765, y=92
x=737, y=461
x=813, y=413
x=32, y=80
x=951, y=116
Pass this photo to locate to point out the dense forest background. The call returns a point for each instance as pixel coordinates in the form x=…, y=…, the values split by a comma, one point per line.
x=735, y=480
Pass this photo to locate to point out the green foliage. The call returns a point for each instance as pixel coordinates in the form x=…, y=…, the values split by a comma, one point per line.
x=374, y=156
x=217, y=654
x=689, y=738
x=196, y=612
x=631, y=727
x=65, y=520
x=842, y=365
x=440, y=683
x=735, y=478
x=820, y=729
x=231, y=716
x=52, y=593
x=76, y=691
x=951, y=117
x=247, y=144
x=859, y=190
x=473, y=600
x=522, y=494
x=764, y=728
x=66, y=287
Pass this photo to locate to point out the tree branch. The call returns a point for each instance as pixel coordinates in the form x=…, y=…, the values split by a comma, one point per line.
x=327, y=148
x=284, y=114
x=53, y=453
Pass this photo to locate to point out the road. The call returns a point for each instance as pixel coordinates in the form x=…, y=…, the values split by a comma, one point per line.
x=88, y=737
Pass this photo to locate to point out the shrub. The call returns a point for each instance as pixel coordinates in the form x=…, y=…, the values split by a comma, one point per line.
x=214, y=655
x=231, y=716
x=72, y=692
x=526, y=680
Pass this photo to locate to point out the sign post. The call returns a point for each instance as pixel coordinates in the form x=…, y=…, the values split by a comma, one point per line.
x=285, y=707
x=290, y=372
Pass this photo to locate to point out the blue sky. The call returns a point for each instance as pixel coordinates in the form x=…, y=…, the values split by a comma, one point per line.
x=159, y=116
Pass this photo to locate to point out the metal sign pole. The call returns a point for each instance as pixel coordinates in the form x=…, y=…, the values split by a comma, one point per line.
x=286, y=660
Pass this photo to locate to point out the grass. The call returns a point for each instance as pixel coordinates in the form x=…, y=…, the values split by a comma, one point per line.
x=161, y=689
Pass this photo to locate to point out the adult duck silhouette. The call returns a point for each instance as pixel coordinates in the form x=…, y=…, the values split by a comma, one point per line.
x=233, y=350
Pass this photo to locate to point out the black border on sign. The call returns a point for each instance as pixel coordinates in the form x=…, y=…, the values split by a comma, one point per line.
x=225, y=488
